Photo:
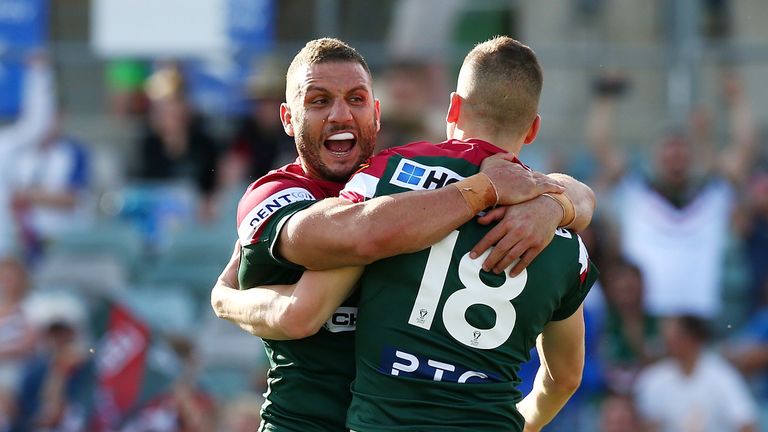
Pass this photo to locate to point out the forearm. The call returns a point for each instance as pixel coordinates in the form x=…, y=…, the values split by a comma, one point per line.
x=561, y=352
x=738, y=156
x=335, y=233
x=583, y=199
x=256, y=310
x=544, y=401
x=316, y=297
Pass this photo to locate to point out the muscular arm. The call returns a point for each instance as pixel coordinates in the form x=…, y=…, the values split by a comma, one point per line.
x=561, y=350
x=583, y=199
x=335, y=232
x=523, y=230
x=282, y=312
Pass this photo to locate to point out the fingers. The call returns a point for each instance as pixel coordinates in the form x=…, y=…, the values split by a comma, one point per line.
x=508, y=258
x=525, y=259
x=490, y=239
x=492, y=216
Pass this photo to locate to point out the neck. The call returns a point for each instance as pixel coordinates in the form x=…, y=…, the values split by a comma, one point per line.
x=688, y=361
x=502, y=140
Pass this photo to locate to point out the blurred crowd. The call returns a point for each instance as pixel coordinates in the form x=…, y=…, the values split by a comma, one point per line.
x=104, y=318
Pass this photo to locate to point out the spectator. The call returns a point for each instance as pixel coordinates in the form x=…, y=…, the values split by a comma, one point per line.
x=50, y=183
x=57, y=385
x=259, y=143
x=408, y=106
x=677, y=218
x=125, y=78
x=630, y=339
x=618, y=414
x=185, y=407
x=693, y=389
x=17, y=334
x=748, y=351
x=29, y=128
x=176, y=144
x=752, y=224
x=242, y=414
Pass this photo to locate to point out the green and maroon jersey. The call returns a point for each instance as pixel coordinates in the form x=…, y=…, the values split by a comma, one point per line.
x=309, y=379
x=439, y=341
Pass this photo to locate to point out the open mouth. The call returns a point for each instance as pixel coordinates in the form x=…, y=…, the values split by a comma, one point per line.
x=340, y=144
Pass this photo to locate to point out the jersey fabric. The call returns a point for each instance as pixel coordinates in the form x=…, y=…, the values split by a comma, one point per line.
x=440, y=342
x=308, y=380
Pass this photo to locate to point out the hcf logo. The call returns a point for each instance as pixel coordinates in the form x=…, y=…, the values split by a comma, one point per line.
x=415, y=176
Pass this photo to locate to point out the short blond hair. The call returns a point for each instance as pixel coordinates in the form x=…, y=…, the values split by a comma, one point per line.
x=501, y=82
x=324, y=50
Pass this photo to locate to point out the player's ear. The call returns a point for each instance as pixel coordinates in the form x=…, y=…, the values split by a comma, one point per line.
x=377, y=114
x=454, y=108
x=285, y=118
x=533, y=130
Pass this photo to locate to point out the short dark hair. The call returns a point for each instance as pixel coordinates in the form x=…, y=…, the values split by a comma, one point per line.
x=325, y=50
x=695, y=326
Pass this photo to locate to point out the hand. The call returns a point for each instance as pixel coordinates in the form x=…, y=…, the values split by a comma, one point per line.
x=515, y=184
x=523, y=231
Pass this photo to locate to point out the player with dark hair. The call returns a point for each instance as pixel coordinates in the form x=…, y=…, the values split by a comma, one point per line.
x=283, y=228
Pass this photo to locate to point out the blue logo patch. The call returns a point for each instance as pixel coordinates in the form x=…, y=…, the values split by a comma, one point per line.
x=411, y=174
x=415, y=176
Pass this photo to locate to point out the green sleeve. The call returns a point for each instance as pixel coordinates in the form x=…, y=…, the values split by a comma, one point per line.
x=576, y=295
x=260, y=262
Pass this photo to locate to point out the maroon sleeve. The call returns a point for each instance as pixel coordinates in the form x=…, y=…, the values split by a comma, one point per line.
x=263, y=201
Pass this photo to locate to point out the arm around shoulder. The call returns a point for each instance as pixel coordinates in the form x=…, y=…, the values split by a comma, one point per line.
x=582, y=200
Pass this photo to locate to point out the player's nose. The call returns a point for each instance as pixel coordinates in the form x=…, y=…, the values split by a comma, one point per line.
x=340, y=112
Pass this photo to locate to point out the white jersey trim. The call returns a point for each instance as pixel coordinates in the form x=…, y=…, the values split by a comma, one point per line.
x=362, y=184
x=262, y=212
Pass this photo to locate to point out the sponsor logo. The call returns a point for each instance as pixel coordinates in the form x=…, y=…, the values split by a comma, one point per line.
x=268, y=206
x=404, y=364
x=344, y=319
x=415, y=176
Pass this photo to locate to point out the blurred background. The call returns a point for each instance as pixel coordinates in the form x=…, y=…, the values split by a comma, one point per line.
x=131, y=128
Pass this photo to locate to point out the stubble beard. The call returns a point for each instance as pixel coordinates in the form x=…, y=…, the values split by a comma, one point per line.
x=309, y=153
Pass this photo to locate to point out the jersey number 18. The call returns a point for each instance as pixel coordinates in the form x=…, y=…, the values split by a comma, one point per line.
x=475, y=292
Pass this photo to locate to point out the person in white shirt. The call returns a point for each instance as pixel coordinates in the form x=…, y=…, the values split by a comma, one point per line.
x=673, y=221
x=693, y=390
x=35, y=119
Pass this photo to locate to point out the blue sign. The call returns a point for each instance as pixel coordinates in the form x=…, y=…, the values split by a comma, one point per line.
x=23, y=26
x=220, y=87
x=250, y=24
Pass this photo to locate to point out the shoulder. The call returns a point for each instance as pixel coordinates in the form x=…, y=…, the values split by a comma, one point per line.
x=717, y=367
x=572, y=245
x=268, y=195
x=656, y=374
